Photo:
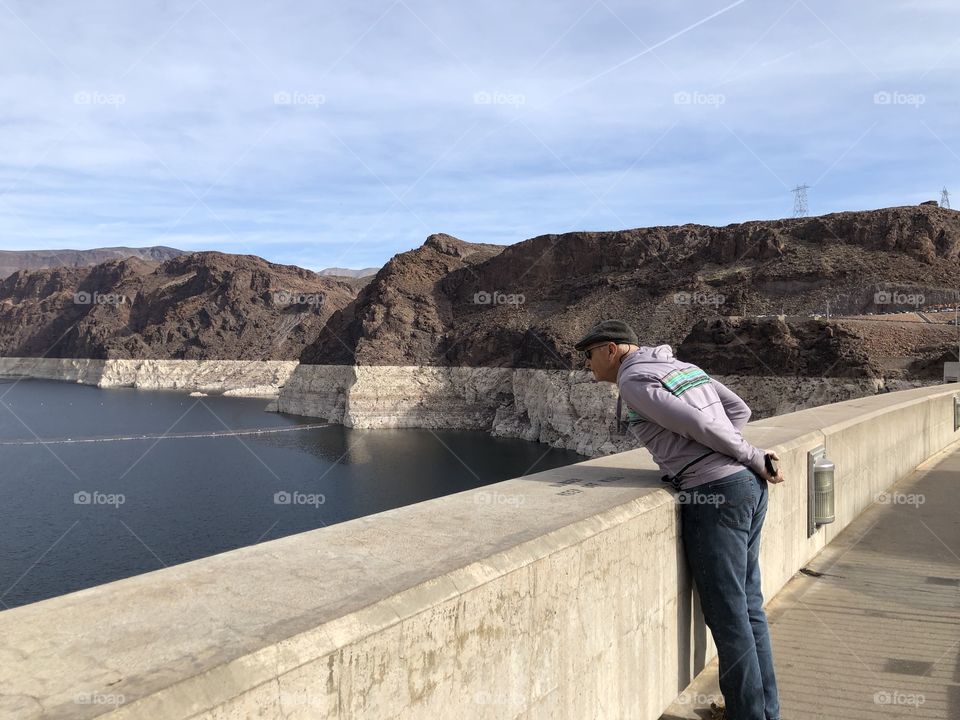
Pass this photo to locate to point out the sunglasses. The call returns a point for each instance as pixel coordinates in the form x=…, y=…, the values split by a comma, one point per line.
x=586, y=353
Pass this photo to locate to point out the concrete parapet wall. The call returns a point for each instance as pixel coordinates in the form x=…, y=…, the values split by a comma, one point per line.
x=562, y=594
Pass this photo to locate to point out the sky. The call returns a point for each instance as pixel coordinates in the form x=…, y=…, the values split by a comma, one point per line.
x=338, y=134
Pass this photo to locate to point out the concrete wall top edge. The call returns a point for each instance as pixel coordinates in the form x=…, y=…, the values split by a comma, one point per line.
x=829, y=418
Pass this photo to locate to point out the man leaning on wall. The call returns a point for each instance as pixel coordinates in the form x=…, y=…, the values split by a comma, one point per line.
x=691, y=424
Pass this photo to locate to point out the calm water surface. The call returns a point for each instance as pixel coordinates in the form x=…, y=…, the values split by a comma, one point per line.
x=76, y=514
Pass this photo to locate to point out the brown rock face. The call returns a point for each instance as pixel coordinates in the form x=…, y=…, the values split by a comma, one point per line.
x=524, y=305
x=768, y=346
x=401, y=316
x=198, y=306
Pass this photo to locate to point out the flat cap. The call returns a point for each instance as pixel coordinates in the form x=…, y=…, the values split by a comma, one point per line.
x=608, y=331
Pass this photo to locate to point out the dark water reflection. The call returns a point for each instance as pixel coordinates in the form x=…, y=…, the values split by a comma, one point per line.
x=77, y=514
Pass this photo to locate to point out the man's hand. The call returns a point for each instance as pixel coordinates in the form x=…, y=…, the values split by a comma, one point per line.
x=778, y=478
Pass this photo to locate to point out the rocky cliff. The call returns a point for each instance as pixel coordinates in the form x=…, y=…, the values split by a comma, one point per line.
x=452, y=303
x=800, y=347
x=402, y=316
x=200, y=306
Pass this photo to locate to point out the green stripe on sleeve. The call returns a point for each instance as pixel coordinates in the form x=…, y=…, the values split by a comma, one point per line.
x=679, y=381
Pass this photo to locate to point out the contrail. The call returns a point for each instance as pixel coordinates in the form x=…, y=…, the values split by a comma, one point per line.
x=650, y=49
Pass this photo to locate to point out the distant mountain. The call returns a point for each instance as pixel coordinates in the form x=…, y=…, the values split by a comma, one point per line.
x=13, y=260
x=347, y=272
x=199, y=306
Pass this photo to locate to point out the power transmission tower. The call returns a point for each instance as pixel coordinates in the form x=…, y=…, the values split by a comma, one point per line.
x=944, y=199
x=800, y=208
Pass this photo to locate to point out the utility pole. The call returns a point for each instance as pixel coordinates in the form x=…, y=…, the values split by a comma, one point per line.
x=800, y=208
x=944, y=198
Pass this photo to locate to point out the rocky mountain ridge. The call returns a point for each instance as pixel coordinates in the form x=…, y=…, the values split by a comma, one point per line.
x=200, y=306
x=739, y=299
x=453, y=303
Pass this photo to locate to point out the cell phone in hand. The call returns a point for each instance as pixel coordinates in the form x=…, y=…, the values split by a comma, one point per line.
x=770, y=464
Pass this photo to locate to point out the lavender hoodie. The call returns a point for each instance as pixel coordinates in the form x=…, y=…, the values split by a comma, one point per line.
x=680, y=414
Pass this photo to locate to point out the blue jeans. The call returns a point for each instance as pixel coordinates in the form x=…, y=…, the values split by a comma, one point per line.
x=721, y=522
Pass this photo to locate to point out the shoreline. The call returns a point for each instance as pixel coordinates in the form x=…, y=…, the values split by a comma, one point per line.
x=241, y=378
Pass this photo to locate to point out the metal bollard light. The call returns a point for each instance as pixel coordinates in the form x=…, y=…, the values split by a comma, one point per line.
x=823, y=497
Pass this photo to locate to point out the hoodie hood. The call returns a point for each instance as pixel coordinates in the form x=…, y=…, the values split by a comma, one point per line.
x=646, y=354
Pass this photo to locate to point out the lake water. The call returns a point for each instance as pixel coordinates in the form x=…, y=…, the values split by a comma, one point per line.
x=77, y=513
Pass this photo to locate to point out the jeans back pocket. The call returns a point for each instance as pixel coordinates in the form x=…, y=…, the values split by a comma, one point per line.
x=734, y=501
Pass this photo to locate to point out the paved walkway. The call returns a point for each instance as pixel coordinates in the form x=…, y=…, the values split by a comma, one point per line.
x=874, y=630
